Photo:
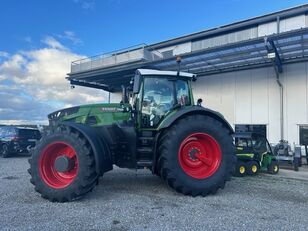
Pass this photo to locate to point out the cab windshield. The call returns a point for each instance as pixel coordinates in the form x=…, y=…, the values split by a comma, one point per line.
x=160, y=95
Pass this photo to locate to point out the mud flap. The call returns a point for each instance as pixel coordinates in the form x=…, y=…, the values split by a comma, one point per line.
x=103, y=160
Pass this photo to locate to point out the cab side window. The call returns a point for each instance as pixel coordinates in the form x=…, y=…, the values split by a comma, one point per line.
x=182, y=92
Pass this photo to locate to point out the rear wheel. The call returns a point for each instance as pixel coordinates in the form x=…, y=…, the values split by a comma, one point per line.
x=62, y=165
x=252, y=168
x=273, y=167
x=240, y=169
x=196, y=155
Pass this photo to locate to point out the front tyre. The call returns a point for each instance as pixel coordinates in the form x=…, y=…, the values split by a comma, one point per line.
x=197, y=155
x=62, y=165
x=252, y=168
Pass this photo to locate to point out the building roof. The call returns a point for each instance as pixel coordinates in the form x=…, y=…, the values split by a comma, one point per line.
x=274, y=39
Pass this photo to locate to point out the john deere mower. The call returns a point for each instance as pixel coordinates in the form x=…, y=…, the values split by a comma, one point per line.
x=155, y=126
x=254, y=154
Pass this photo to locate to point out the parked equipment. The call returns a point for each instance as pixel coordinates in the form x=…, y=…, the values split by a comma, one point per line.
x=15, y=140
x=284, y=154
x=188, y=146
x=254, y=154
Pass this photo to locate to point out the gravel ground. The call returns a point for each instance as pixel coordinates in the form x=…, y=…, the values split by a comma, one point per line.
x=129, y=200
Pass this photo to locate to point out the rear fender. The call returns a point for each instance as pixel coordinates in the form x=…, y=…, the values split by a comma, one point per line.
x=193, y=111
x=102, y=155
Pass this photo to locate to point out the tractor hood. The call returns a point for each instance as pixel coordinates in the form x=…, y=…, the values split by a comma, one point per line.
x=92, y=114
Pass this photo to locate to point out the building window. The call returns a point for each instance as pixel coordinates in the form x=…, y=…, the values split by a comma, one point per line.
x=258, y=128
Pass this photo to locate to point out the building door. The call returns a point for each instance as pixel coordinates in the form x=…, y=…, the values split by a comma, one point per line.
x=258, y=128
x=303, y=134
x=303, y=138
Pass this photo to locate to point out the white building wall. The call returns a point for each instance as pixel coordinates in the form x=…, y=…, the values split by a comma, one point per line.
x=252, y=97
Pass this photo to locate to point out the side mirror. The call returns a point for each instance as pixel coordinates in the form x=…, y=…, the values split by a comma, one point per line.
x=137, y=81
x=199, y=102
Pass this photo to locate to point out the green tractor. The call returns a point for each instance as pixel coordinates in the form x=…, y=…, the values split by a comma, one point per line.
x=155, y=126
x=254, y=154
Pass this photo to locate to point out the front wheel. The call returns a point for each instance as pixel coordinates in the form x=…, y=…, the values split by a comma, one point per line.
x=252, y=168
x=62, y=166
x=196, y=155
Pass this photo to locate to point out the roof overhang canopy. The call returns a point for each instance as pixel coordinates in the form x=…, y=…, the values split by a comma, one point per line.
x=275, y=49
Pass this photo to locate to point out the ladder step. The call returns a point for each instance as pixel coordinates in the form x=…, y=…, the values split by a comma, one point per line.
x=146, y=138
x=146, y=141
x=145, y=150
x=144, y=163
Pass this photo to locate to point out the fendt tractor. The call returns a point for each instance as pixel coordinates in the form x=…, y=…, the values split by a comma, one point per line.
x=155, y=126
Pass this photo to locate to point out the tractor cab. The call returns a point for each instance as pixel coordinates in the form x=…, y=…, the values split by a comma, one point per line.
x=253, y=153
x=158, y=93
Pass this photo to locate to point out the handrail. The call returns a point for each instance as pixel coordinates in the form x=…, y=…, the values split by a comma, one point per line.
x=122, y=50
x=134, y=53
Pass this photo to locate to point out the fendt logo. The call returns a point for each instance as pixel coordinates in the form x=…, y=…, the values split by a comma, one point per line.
x=111, y=109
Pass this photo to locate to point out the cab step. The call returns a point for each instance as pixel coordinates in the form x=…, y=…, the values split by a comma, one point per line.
x=144, y=163
x=145, y=150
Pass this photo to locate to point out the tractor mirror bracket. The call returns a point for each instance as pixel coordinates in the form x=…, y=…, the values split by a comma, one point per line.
x=136, y=86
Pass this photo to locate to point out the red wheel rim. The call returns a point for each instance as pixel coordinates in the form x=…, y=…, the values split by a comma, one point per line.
x=199, y=155
x=48, y=172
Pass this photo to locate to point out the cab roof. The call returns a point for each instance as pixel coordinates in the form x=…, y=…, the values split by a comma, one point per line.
x=170, y=73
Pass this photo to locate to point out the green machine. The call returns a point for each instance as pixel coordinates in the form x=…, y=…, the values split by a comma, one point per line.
x=155, y=126
x=254, y=154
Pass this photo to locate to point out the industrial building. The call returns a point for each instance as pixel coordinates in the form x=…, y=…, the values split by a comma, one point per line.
x=255, y=72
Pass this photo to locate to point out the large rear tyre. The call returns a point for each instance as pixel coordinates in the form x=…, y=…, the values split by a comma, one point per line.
x=62, y=166
x=197, y=155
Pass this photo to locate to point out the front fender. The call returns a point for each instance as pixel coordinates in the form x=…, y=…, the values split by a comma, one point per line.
x=102, y=155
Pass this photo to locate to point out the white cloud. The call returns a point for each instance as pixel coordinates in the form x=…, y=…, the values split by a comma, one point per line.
x=53, y=43
x=4, y=54
x=71, y=36
x=86, y=4
x=35, y=84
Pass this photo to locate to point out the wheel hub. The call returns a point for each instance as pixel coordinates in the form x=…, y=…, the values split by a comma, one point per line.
x=58, y=170
x=254, y=168
x=64, y=164
x=242, y=169
x=192, y=153
x=199, y=155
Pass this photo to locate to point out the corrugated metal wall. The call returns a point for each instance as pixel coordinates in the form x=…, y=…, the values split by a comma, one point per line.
x=252, y=97
x=225, y=39
x=242, y=35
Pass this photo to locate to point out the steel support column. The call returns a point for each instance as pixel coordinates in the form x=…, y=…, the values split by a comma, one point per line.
x=277, y=64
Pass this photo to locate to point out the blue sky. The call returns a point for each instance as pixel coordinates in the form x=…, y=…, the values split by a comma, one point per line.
x=106, y=25
x=40, y=38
